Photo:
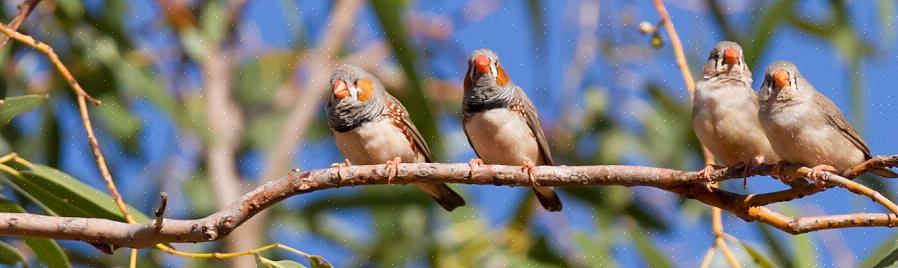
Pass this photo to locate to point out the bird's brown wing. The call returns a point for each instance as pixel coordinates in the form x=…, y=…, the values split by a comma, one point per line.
x=523, y=105
x=399, y=115
x=835, y=118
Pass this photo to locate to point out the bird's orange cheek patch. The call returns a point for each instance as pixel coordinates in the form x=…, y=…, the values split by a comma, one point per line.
x=366, y=89
x=502, y=78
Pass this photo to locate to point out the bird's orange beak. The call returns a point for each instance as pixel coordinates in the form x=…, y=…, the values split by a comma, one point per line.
x=730, y=56
x=340, y=89
x=780, y=79
x=481, y=64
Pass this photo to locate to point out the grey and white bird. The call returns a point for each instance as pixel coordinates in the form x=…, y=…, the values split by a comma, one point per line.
x=501, y=122
x=805, y=127
x=725, y=110
x=371, y=127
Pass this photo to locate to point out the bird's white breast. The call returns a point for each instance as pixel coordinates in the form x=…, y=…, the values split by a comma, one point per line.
x=376, y=143
x=502, y=136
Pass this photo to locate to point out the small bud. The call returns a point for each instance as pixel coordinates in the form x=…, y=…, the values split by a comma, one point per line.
x=657, y=42
x=646, y=28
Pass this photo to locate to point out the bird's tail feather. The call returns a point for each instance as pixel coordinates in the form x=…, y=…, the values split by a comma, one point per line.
x=445, y=196
x=548, y=198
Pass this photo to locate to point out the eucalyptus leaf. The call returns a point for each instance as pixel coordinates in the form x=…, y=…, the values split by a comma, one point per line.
x=66, y=196
x=13, y=106
x=759, y=259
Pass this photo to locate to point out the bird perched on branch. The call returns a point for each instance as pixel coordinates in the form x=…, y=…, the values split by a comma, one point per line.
x=724, y=110
x=371, y=127
x=805, y=127
x=501, y=122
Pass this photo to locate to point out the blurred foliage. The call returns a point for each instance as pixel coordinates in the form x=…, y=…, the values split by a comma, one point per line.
x=131, y=60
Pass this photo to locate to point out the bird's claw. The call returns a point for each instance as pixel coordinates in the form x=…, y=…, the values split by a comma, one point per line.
x=528, y=167
x=393, y=169
x=749, y=166
x=815, y=172
x=705, y=173
x=340, y=167
x=474, y=165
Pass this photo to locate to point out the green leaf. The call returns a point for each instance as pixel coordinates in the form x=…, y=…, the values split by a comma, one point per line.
x=319, y=262
x=214, y=20
x=13, y=106
x=63, y=195
x=805, y=255
x=10, y=255
x=760, y=259
x=390, y=18
x=890, y=259
x=47, y=251
x=651, y=254
x=265, y=262
x=595, y=253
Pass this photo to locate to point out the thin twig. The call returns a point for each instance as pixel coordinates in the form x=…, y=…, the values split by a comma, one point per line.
x=160, y=211
x=46, y=49
x=25, y=9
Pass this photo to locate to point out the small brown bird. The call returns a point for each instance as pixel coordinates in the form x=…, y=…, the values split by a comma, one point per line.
x=501, y=122
x=371, y=127
x=805, y=127
x=724, y=110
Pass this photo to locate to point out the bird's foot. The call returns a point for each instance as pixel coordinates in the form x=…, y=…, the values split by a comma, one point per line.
x=749, y=166
x=815, y=172
x=474, y=165
x=705, y=173
x=340, y=167
x=528, y=167
x=393, y=169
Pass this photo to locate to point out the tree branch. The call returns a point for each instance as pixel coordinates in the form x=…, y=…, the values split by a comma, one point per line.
x=222, y=223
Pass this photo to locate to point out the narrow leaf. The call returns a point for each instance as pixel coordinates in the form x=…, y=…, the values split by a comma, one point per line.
x=13, y=106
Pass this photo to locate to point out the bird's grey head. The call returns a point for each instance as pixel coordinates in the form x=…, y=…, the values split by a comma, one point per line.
x=487, y=86
x=726, y=62
x=356, y=98
x=784, y=83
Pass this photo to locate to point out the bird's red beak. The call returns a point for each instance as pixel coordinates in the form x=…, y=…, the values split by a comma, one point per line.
x=780, y=79
x=730, y=56
x=481, y=64
x=340, y=89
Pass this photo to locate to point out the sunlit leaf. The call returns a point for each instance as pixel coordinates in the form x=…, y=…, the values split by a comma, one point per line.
x=265, y=262
x=13, y=106
x=890, y=259
x=64, y=195
x=759, y=259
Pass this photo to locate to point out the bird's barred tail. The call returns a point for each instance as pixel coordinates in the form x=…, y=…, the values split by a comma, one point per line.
x=445, y=196
x=548, y=198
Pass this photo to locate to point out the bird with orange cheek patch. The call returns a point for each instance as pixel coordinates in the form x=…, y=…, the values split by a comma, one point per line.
x=725, y=111
x=501, y=122
x=371, y=127
x=806, y=128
